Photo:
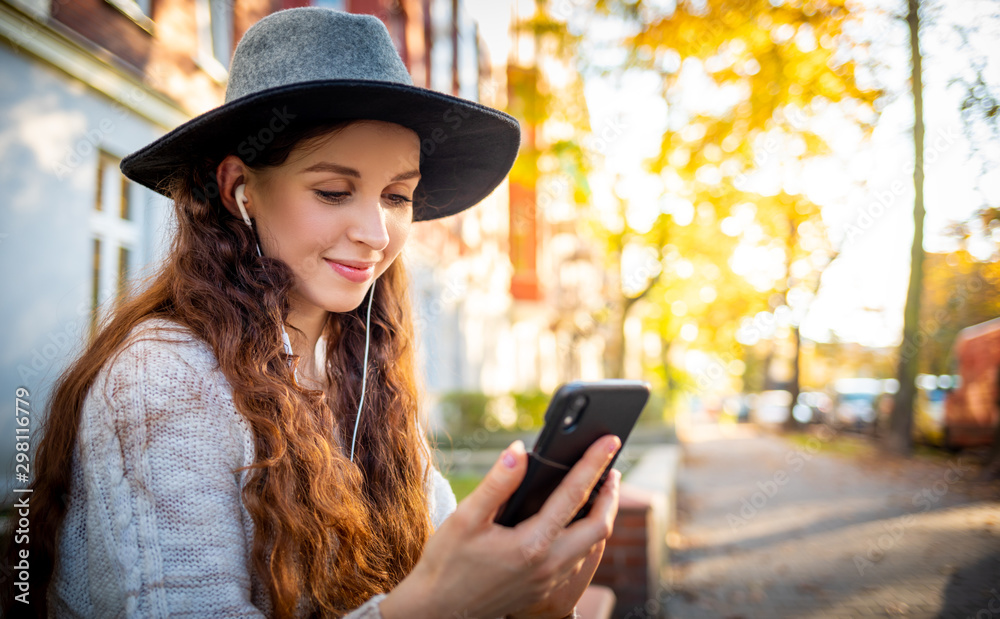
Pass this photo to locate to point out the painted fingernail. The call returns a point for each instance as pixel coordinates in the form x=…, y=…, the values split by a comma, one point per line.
x=508, y=455
x=508, y=459
x=613, y=445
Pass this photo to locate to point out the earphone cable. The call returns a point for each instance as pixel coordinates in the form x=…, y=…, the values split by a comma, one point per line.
x=364, y=371
x=240, y=199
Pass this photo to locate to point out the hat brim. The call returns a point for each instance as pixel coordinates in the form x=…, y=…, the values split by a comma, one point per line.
x=466, y=148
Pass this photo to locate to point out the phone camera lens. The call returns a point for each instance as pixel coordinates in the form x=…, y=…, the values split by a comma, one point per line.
x=573, y=410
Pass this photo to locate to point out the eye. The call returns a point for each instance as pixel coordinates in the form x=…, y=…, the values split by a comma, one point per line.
x=334, y=197
x=398, y=200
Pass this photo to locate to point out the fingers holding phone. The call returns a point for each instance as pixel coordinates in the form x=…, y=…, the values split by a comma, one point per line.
x=575, y=488
x=597, y=526
x=569, y=554
x=555, y=520
x=549, y=523
x=580, y=414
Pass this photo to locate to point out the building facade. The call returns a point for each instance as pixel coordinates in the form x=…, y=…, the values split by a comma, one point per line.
x=86, y=82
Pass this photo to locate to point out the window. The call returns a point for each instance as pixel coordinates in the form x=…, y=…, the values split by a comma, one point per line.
x=95, y=288
x=214, y=20
x=138, y=11
x=114, y=235
x=468, y=56
x=395, y=18
x=442, y=46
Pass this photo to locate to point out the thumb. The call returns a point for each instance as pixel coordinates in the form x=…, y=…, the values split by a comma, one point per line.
x=500, y=482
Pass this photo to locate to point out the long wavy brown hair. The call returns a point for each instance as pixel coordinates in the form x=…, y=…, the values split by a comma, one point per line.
x=326, y=529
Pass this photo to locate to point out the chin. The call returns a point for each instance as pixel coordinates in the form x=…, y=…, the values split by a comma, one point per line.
x=346, y=303
x=340, y=308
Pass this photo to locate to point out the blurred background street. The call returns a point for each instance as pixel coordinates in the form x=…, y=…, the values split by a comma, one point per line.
x=821, y=525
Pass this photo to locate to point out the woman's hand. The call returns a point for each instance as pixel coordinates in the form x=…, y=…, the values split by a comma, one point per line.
x=472, y=567
x=561, y=602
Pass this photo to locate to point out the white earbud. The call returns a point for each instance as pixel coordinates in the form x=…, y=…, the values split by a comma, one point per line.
x=240, y=199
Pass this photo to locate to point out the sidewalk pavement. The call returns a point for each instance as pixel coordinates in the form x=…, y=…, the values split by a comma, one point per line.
x=773, y=528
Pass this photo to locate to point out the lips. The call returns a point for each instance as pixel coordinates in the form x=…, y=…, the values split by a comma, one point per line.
x=352, y=270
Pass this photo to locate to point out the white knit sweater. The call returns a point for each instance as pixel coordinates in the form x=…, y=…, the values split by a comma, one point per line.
x=156, y=526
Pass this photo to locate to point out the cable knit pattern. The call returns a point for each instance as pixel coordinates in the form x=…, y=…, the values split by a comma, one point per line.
x=156, y=526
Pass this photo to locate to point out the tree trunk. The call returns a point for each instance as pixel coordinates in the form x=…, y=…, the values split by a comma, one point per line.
x=900, y=437
x=792, y=424
x=668, y=380
x=614, y=352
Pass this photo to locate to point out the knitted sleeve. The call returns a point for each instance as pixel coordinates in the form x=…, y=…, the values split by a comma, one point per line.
x=440, y=497
x=164, y=525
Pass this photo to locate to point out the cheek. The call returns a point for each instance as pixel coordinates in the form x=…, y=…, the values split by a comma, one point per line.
x=305, y=229
x=398, y=228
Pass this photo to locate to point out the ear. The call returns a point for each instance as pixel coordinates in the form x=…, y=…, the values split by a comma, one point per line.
x=230, y=173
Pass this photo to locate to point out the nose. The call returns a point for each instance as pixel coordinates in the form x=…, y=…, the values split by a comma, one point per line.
x=369, y=225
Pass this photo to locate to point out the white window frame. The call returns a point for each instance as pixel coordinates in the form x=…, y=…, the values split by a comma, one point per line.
x=136, y=10
x=210, y=30
x=114, y=232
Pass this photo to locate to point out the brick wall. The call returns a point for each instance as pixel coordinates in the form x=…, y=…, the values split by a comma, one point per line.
x=164, y=57
x=629, y=560
x=101, y=23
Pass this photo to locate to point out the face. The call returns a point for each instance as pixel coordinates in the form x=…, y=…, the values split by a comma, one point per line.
x=338, y=211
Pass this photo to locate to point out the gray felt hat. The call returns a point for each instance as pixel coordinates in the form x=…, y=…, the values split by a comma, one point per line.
x=310, y=65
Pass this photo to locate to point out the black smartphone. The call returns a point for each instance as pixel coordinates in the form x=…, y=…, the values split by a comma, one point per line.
x=579, y=413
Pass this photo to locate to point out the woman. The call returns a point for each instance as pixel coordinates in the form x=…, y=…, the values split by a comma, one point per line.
x=202, y=459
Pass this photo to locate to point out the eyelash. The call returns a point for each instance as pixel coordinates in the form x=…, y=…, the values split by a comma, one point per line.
x=337, y=197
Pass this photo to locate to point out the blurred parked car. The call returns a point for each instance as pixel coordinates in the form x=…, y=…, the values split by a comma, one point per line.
x=928, y=407
x=972, y=408
x=812, y=407
x=854, y=402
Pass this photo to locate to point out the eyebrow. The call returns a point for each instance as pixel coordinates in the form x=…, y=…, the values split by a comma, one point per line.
x=326, y=166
